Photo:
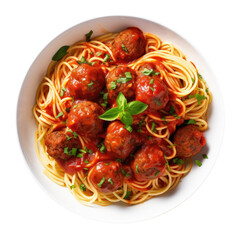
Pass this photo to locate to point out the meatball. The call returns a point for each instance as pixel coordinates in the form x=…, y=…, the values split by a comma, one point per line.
x=106, y=176
x=119, y=140
x=148, y=163
x=152, y=91
x=57, y=141
x=189, y=141
x=86, y=82
x=129, y=45
x=83, y=118
x=121, y=79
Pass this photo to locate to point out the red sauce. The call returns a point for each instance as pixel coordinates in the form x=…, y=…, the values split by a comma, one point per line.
x=125, y=152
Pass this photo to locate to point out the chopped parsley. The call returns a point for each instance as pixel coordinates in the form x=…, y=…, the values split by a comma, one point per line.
x=205, y=156
x=128, y=77
x=172, y=110
x=90, y=85
x=71, y=152
x=140, y=126
x=102, y=147
x=59, y=115
x=199, y=97
x=167, y=164
x=148, y=72
x=80, y=155
x=152, y=89
x=178, y=161
x=151, y=81
x=72, y=186
x=153, y=128
x=62, y=92
x=193, y=80
x=157, y=173
x=99, y=53
x=198, y=163
x=88, y=35
x=110, y=180
x=113, y=85
x=191, y=121
x=105, y=101
x=101, y=182
x=124, y=173
x=199, y=76
x=82, y=187
x=124, y=48
x=68, y=138
x=128, y=193
x=107, y=56
x=157, y=102
x=137, y=168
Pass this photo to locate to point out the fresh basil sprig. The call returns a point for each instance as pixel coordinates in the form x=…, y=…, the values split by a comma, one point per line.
x=61, y=52
x=124, y=111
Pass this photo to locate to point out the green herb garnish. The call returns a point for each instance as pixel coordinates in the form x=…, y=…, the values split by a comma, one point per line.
x=82, y=187
x=128, y=193
x=88, y=35
x=205, y=156
x=128, y=77
x=62, y=92
x=124, y=110
x=110, y=180
x=124, y=48
x=62, y=51
x=59, y=115
x=148, y=72
x=191, y=121
x=199, y=97
x=90, y=85
x=198, y=163
x=101, y=182
x=107, y=56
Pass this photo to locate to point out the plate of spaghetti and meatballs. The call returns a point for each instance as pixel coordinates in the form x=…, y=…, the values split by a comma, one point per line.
x=122, y=116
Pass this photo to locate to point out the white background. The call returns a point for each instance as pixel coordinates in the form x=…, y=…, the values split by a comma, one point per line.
x=27, y=212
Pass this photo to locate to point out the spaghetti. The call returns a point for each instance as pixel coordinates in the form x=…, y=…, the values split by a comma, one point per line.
x=187, y=93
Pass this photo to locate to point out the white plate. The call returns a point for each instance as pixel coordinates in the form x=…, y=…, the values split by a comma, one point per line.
x=118, y=212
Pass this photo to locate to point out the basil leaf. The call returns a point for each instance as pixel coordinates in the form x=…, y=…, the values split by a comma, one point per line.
x=129, y=128
x=121, y=101
x=126, y=118
x=62, y=51
x=136, y=107
x=111, y=114
x=88, y=35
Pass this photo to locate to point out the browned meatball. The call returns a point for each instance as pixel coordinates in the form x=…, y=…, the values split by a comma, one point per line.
x=83, y=119
x=149, y=163
x=152, y=91
x=57, y=141
x=106, y=176
x=129, y=45
x=86, y=82
x=119, y=140
x=189, y=141
x=121, y=79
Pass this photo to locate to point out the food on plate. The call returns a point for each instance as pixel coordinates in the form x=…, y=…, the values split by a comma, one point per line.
x=120, y=117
